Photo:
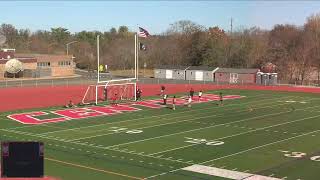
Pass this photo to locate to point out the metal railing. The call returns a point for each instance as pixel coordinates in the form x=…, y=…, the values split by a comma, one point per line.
x=92, y=81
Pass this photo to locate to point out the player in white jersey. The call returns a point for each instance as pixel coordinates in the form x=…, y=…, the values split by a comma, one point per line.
x=200, y=94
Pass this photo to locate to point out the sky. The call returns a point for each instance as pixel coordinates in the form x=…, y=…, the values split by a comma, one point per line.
x=155, y=16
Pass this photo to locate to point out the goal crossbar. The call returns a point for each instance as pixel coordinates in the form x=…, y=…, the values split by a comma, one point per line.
x=105, y=87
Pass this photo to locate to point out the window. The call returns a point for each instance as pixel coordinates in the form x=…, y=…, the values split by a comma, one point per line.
x=43, y=64
x=64, y=63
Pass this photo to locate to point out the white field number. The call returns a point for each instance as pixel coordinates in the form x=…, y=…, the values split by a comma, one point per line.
x=125, y=130
x=203, y=141
x=299, y=155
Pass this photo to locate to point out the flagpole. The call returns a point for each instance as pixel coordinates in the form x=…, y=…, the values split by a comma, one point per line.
x=98, y=58
x=138, y=47
x=135, y=56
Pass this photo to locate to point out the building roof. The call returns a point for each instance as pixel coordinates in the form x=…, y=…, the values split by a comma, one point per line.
x=174, y=67
x=23, y=60
x=234, y=70
x=6, y=55
x=46, y=57
x=204, y=68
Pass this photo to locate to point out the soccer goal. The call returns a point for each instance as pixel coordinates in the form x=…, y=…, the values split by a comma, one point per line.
x=108, y=90
x=121, y=91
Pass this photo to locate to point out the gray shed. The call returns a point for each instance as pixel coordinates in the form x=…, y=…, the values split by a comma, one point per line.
x=170, y=72
x=200, y=73
x=267, y=78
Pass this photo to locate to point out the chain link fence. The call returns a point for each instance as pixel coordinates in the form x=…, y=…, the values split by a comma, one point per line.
x=91, y=80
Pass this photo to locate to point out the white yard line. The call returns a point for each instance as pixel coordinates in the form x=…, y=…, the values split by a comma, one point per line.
x=257, y=147
x=182, y=132
x=93, y=146
x=174, y=122
x=30, y=134
x=171, y=113
x=234, y=135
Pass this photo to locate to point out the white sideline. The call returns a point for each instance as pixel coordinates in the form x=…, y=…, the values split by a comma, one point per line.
x=213, y=171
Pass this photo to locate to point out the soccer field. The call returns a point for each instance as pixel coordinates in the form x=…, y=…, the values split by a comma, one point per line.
x=263, y=134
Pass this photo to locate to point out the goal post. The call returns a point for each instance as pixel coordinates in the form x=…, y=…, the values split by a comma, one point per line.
x=123, y=89
x=104, y=93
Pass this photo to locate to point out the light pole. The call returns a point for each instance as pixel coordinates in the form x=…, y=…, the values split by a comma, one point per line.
x=68, y=46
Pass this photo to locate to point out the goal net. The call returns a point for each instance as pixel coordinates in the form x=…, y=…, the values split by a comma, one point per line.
x=106, y=93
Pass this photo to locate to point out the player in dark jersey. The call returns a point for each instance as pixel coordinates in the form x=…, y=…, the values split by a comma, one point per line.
x=221, y=99
x=174, y=103
x=138, y=94
x=191, y=93
x=114, y=99
x=163, y=88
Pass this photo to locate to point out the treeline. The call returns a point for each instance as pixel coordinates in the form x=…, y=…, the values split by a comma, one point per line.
x=294, y=50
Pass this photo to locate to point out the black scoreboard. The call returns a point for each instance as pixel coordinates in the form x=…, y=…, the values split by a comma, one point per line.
x=22, y=159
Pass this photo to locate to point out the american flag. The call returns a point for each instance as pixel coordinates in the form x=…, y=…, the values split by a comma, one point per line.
x=143, y=33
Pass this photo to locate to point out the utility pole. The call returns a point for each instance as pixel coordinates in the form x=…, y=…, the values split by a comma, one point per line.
x=231, y=26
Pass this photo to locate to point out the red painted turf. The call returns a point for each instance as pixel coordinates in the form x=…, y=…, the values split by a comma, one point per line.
x=39, y=97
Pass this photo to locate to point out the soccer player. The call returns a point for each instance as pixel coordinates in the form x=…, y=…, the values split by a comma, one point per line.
x=114, y=99
x=191, y=93
x=165, y=99
x=200, y=94
x=162, y=90
x=221, y=99
x=105, y=94
x=174, y=103
x=189, y=101
x=69, y=105
x=138, y=94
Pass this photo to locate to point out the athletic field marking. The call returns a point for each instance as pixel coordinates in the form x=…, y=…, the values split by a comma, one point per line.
x=258, y=129
x=257, y=147
x=182, y=132
x=161, y=174
x=168, y=123
x=148, y=126
x=82, y=144
x=94, y=169
x=186, y=120
x=220, y=172
x=167, y=114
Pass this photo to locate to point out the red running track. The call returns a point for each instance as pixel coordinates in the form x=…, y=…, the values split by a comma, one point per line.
x=22, y=98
